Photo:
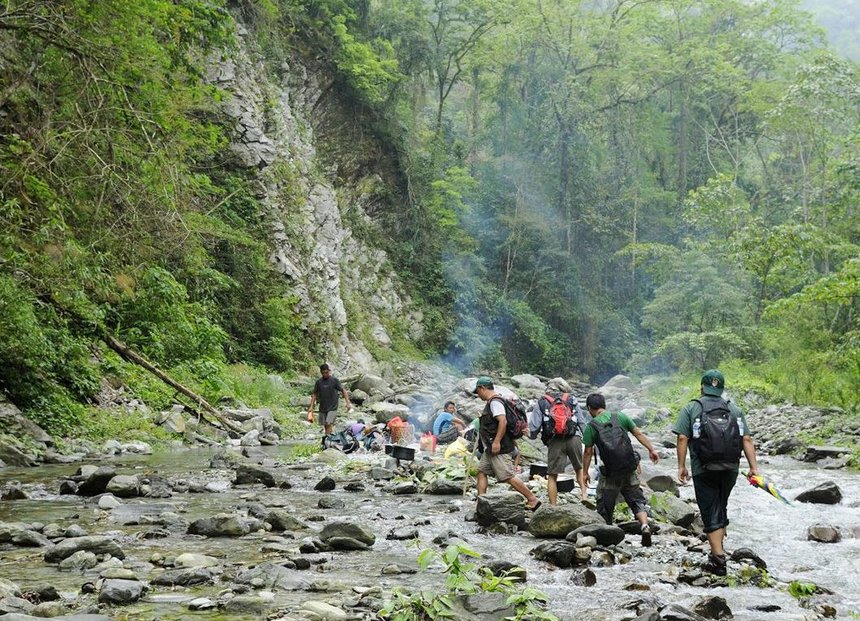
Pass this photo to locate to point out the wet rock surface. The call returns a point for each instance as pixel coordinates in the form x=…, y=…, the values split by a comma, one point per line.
x=198, y=537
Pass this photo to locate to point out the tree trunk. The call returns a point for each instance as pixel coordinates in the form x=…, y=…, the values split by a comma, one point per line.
x=128, y=354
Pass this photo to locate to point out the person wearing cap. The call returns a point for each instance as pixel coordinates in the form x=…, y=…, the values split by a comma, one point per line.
x=712, y=483
x=325, y=391
x=496, y=445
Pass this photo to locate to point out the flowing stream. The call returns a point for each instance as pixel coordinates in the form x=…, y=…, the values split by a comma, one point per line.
x=776, y=532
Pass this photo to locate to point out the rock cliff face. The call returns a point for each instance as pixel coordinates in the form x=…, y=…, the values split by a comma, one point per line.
x=347, y=291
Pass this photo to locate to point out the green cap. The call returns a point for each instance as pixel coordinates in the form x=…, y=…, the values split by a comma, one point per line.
x=713, y=383
x=482, y=381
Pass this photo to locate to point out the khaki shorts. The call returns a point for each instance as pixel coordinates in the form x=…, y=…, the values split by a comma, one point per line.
x=563, y=451
x=500, y=466
x=327, y=418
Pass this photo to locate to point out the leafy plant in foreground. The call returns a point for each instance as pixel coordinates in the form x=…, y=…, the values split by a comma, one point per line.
x=463, y=578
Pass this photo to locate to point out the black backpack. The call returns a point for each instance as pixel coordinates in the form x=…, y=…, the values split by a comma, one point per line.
x=613, y=445
x=718, y=445
x=341, y=440
x=515, y=416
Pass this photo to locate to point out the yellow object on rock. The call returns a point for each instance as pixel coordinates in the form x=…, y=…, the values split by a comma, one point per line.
x=457, y=448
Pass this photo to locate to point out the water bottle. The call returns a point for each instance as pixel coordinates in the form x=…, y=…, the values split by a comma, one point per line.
x=696, y=425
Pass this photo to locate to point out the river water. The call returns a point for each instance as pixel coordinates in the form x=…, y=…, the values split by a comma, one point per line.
x=775, y=531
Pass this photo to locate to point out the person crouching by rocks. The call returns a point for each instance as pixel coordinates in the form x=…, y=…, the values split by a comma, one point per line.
x=496, y=444
x=446, y=426
x=716, y=432
x=325, y=391
x=609, y=432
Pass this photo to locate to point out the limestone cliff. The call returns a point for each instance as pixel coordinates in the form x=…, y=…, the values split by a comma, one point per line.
x=347, y=291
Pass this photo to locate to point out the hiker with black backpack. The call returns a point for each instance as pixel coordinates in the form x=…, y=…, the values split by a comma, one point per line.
x=500, y=425
x=608, y=431
x=559, y=421
x=716, y=432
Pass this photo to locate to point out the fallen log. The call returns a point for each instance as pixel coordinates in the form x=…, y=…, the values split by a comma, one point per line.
x=129, y=355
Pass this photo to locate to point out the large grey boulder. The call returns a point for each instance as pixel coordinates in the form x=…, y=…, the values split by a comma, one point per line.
x=115, y=591
x=668, y=508
x=281, y=519
x=184, y=577
x=220, y=525
x=557, y=522
x=13, y=422
x=269, y=576
x=508, y=507
x=823, y=533
x=247, y=474
x=124, y=486
x=97, y=544
x=372, y=385
x=348, y=530
x=604, y=534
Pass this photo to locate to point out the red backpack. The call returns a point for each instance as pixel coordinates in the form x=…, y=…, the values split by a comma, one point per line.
x=558, y=418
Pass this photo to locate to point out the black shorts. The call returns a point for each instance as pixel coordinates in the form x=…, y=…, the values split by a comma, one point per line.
x=713, y=488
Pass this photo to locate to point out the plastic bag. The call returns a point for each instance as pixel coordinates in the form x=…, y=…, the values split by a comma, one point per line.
x=457, y=448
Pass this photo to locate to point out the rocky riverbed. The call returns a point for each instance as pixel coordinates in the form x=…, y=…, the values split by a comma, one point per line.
x=254, y=531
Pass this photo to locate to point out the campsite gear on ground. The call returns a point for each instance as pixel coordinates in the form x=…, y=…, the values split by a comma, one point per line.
x=515, y=416
x=400, y=432
x=565, y=483
x=757, y=480
x=537, y=470
x=400, y=452
x=427, y=443
x=559, y=420
x=456, y=448
x=716, y=436
x=342, y=440
x=615, y=448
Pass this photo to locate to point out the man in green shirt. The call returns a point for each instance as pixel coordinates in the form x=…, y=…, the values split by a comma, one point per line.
x=714, y=458
x=609, y=431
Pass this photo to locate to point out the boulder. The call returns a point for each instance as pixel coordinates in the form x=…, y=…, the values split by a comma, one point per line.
x=371, y=385
x=713, y=607
x=220, y=525
x=184, y=577
x=816, y=453
x=823, y=533
x=444, y=487
x=670, y=509
x=120, y=592
x=557, y=522
x=674, y=612
x=604, y=534
x=348, y=530
x=558, y=553
x=508, y=507
x=326, y=484
x=97, y=544
x=619, y=383
x=268, y=576
x=322, y=611
x=663, y=483
x=95, y=483
x=247, y=474
x=124, y=486
x=281, y=520
x=827, y=493
x=190, y=560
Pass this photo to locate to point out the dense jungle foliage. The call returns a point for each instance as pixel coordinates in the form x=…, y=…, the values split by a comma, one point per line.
x=591, y=187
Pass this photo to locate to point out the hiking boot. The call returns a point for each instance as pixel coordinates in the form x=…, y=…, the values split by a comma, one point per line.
x=715, y=565
x=646, y=536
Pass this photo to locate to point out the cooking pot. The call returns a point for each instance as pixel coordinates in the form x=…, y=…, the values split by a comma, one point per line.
x=565, y=483
x=537, y=470
x=400, y=452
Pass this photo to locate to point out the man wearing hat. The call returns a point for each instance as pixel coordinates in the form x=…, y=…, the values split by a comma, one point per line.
x=497, y=445
x=716, y=432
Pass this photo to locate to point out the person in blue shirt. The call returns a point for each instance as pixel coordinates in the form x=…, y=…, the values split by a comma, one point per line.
x=446, y=426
